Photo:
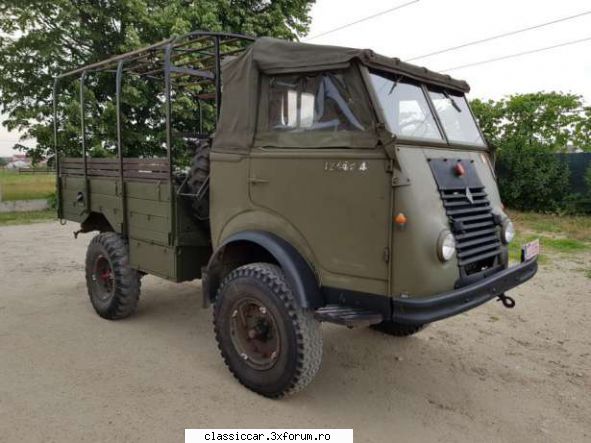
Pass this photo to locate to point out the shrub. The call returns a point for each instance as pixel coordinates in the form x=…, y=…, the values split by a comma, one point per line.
x=52, y=200
x=531, y=177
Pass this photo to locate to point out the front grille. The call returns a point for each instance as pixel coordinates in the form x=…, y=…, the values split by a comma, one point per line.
x=474, y=227
x=470, y=216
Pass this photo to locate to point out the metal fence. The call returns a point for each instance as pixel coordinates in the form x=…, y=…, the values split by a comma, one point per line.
x=578, y=165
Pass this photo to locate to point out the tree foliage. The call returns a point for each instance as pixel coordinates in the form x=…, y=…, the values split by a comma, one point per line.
x=548, y=119
x=527, y=131
x=40, y=39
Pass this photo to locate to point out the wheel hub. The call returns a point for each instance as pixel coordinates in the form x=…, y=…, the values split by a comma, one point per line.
x=254, y=334
x=103, y=277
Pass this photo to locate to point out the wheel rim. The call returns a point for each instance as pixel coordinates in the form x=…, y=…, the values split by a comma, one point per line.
x=103, y=277
x=254, y=334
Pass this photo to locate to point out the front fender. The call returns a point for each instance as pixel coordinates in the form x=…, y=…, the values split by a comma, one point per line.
x=298, y=272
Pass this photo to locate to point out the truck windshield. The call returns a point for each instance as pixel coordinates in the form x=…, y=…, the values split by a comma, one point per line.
x=456, y=118
x=408, y=114
x=405, y=108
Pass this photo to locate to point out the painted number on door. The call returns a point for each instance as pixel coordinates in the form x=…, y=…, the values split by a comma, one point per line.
x=345, y=166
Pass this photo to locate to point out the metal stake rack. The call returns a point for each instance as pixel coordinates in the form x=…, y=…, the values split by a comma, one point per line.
x=191, y=59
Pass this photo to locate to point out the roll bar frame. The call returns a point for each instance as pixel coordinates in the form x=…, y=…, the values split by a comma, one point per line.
x=170, y=59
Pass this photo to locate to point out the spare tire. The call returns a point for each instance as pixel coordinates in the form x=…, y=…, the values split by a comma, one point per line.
x=198, y=176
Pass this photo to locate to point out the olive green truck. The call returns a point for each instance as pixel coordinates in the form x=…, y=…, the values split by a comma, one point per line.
x=335, y=185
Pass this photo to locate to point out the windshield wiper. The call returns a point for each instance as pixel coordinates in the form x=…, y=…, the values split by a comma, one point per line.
x=453, y=102
x=394, y=86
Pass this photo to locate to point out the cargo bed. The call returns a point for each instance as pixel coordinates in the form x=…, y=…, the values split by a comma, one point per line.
x=135, y=198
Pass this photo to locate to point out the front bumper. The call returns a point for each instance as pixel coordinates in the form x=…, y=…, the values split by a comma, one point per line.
x=447, y=304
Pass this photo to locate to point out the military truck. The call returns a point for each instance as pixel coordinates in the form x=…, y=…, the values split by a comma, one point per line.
x=338, y=185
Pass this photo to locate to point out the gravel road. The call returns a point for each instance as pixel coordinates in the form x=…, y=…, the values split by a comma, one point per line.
x=489, y=375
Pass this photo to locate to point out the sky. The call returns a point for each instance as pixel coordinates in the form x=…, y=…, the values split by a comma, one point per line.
x=430, y=25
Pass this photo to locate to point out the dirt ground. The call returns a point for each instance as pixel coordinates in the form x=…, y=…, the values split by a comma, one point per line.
x=489, y=375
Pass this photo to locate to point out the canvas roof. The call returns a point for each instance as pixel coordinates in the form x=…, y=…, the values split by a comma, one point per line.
x=273, y=55
x=240, y=79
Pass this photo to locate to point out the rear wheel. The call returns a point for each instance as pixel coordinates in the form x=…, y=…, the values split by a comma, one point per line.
x=397, y=329
x=268, y=342
x=113, y=286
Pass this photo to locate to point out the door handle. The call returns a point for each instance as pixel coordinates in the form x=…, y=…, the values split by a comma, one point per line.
x=257, y=181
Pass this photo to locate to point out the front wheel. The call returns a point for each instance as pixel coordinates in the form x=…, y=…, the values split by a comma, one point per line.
x=270, y=344
x=397, y=329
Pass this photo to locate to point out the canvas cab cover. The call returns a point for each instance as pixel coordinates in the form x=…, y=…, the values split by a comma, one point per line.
x=254, y=106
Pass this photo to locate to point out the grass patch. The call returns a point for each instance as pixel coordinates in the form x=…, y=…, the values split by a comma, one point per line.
x=572, y=227
x=15, y=186
x=519, y=240
x=548, y=246
x=24, y=218
x=562, y=234
x=564, y=244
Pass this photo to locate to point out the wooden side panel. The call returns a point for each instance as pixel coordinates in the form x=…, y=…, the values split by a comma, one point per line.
x=102, y=197
x=108, y=204
x=152, y=246
x=153, y=259
x=70, y=186
x=157, y=191
x=149, y=220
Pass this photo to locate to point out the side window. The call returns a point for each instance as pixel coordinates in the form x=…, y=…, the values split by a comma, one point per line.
x=311, y=102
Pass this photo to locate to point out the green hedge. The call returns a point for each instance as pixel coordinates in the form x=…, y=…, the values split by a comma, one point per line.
x=533, y=178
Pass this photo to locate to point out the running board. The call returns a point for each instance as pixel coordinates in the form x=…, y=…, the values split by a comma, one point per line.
x=348, y=316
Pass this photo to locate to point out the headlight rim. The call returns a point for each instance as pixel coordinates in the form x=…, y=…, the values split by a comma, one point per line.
x=507, y=223
x=441, y=240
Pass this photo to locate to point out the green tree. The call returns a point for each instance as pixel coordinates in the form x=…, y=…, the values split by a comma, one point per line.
x=527, y=131
x=550, y=119
x=40, y=39
x=582, y=138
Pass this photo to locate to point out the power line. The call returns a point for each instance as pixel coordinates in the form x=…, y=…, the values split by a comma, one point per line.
x=404, y=5
x=519, y=54
x=495, y=37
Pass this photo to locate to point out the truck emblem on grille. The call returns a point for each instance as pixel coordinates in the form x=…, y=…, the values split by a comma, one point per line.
x=469, y=196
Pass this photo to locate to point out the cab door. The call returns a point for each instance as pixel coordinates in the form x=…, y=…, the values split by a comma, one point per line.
x=315, y=164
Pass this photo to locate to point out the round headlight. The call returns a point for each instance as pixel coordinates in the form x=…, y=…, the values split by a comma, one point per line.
x=446, y=246
x=507, y=232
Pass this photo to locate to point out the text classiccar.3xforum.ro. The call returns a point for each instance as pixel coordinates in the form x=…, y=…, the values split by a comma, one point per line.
x=261, y=436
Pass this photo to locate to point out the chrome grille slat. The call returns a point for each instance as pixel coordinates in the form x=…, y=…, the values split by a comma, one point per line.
x=473, y=226
x=476, y=233
x=467, y=252
x=468, y=210
x=479, y=225
x=478, y=241
x=461, y=195
x=453, y=204
x=478, y=258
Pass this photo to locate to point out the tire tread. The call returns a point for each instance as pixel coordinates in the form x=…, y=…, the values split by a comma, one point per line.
x=397, y=329
x=127, y=279
x=309, y=338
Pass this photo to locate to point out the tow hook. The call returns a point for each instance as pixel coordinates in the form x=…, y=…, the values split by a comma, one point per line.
x=508, y=302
